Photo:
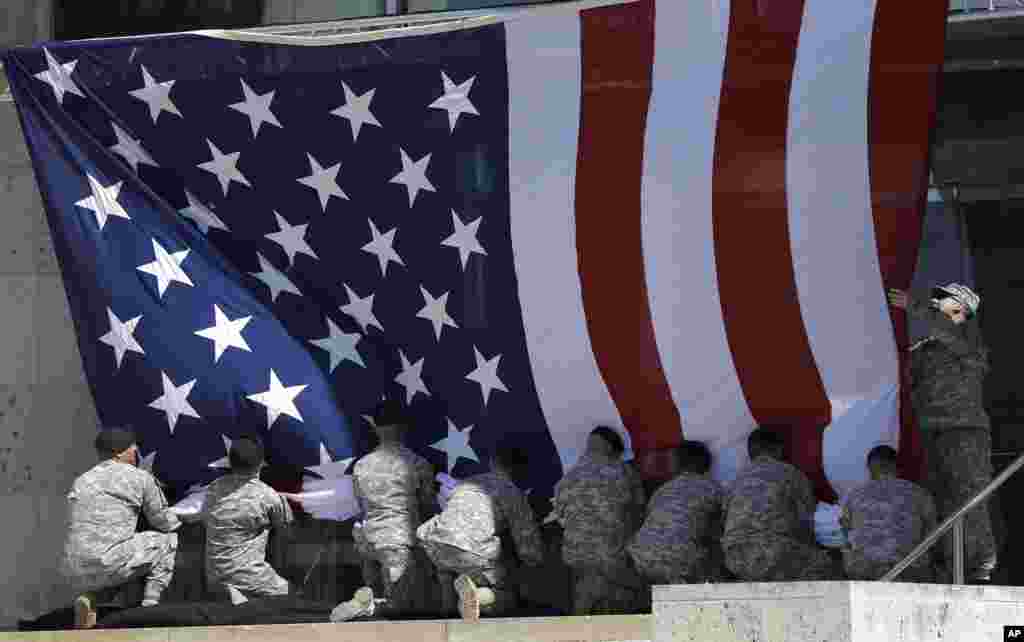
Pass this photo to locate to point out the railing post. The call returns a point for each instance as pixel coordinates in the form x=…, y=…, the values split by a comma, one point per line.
x=955, y=520
x=958, y=551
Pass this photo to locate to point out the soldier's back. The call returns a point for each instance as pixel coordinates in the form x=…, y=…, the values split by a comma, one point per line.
x=387, y=483
x=237, y=521
x=681, y=512
x=888, y=518
x=769, y=498
x=103, y=508
x=594, y=501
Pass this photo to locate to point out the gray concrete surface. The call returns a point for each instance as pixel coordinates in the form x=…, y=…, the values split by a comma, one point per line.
x=834, y=611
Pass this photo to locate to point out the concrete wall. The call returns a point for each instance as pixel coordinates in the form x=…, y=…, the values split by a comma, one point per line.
x=608, y=628
x=23, y=22
x=834, y=611
x=43, y=393
x=288, y=11
x=47, y=418
x=443, y=5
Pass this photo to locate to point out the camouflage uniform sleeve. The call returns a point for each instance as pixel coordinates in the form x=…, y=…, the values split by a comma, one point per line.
x=844, y=519
x=639, y=505
x=280, y=511
x=558, y=501
x=525, y=534
x=425, y=491
x=806, y=503
x=717, y=526
x=154, y=506
x=359, y=495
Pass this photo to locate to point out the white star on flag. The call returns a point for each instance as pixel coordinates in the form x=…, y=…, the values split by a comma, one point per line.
x=146, y=463
x=201, y=215
x=414, y=176
x=455, y=99
x=324, y=181
x=382, y=246
x=58, y=77
x=340, y=345
x=223, y=462
x=166, y=268
x=361, y=309
x=411, y=378
x=434, y=310
x=357, y=110
x=274, y=279
x=257, y=108
x=224, y=167
x=157, y=96
x=456, y=445
x=121, y=336
x=486, y=374
x=103, y=201
x=225, y=333
x=131, y=150
x=464, y=239
x=291, y=238
x=279, y=400
x=174, y=401
x=328, y=468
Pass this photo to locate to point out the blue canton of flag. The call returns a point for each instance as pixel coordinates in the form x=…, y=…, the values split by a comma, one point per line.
x=263, y=238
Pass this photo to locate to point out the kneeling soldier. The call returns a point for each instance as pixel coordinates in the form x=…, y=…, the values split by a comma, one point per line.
x=884, y=520
x=683, y=523
x=464, y=541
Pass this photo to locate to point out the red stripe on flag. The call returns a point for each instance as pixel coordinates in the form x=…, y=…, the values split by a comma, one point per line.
x=617, y=48
x=901, y=115
x=756, y=280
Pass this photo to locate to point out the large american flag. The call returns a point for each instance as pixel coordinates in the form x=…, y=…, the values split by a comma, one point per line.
x=673, y=217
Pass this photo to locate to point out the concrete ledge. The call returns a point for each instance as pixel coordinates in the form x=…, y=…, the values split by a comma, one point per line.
x=834, y=611
x=611, y=628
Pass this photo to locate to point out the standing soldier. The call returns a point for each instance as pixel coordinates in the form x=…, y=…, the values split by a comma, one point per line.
x=103, y=550
x=884, y=520
x=465, y=539
x=594, y=503
x=769, y=517
x=683, y=523
x=948, y=370
x=395, y=490
x=238, y=513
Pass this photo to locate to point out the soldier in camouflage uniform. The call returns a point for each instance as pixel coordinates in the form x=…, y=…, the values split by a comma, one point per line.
x=769, y=513
x=103, y=549
x=395, y=489
x=884, y=520
x=683, y=525
x=594, y=503
x=948, y=369
x=464, y=541
x=238, y=514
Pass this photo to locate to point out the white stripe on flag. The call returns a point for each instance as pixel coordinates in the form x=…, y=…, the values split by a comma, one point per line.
x=544, y=111
x=832, y=235
x=679, y=245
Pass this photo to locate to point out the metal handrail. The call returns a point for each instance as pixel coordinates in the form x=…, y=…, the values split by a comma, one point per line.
x=955, y=518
